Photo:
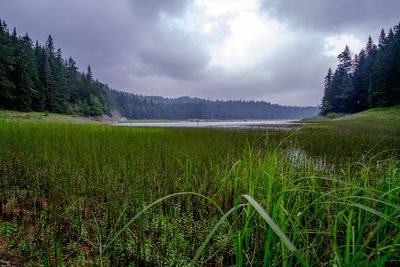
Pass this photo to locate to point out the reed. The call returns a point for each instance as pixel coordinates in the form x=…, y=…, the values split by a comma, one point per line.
x=95, y=194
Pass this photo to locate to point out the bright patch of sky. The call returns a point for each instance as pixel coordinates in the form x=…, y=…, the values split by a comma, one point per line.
x=335, y=44
x=237, y=35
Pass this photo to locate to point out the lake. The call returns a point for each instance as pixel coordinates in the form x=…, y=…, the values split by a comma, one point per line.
x=223, y=124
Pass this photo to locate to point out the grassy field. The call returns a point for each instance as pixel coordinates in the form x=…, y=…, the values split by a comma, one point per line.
x=42, y=117
x=388, y=114
x=46, y=117
x=82, y=194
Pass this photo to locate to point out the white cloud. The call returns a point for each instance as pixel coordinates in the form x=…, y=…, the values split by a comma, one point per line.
x=224, y=7
x=249, y=37
x=335, y=44
x=252, y=40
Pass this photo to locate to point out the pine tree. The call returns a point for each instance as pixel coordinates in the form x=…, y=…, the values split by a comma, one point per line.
x=27, y=79
x=344, y=91
x=88, y=84
x=49, y=83
x=7, y=65
x=370, y=48
x=328, y=78
x=328, y=94
x=360, y=79
x=72, y=76
x=50, y=46
x=52, y=79
x=345, y=61
x=382, y=38
x=59, y=73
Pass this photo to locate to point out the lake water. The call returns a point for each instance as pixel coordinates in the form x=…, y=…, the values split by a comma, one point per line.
x=221, y=124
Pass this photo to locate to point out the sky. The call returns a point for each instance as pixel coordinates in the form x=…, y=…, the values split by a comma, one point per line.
x=272, y=50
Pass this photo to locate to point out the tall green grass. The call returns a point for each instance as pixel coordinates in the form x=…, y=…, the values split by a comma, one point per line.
x=84, y=194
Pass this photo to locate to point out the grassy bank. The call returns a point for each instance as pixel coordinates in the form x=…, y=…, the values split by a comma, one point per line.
x=46, y=117
x=67, y=190
x=388, y=114
x=42, y=117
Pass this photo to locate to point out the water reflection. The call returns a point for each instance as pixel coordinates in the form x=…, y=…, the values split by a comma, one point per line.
x=221, y=124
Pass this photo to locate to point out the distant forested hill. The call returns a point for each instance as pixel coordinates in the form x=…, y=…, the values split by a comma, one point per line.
x=371, y=79
x=37, y=78
x=147, y=107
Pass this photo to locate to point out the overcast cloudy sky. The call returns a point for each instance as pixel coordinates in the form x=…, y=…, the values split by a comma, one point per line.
x=273, y=50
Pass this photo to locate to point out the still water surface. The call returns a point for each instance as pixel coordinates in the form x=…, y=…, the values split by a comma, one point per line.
x=224, y=124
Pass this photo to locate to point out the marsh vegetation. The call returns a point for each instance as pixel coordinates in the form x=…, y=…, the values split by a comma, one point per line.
x=70, y=193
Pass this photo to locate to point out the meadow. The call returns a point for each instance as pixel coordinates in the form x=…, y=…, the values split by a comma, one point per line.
x=320, y=194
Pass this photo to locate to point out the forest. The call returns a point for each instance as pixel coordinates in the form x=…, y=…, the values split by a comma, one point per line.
x=148, y=107
x=370, y=79
x=38, y=78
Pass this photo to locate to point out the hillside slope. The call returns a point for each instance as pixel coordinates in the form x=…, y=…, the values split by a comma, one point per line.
x=373, y=114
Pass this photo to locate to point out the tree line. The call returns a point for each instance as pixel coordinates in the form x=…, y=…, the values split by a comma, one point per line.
x=37, y=78
x=370, y=79
x=148, y=107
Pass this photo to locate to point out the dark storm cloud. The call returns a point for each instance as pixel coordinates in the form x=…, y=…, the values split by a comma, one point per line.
x=171, y=52
x=336, y=15
x=150, y=9
x=162, y=49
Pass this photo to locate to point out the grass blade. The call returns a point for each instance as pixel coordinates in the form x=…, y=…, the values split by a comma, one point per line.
x=209, y=236
x=276, y=229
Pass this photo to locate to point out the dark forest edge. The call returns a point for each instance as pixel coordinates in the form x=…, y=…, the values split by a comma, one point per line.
x=183, y=108
x=370, y=80
x=38, y=78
